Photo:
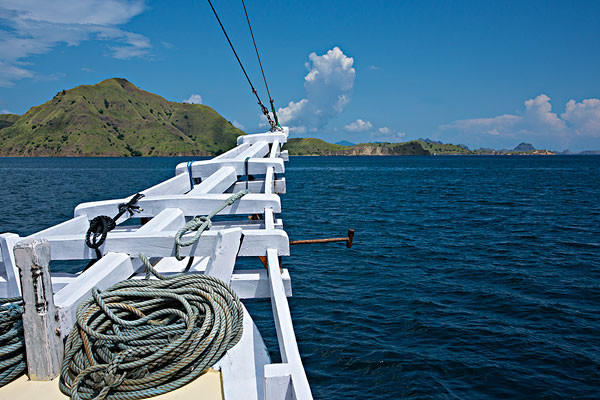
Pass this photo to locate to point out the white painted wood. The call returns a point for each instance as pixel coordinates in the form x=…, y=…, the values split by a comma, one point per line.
x=202, y=204
x=269, y=219
x=224, y=253
x=161, y=244
x=242, y=367
x=107, y=271
x=169, y=219
x=278, y=382
x=269, y=137
x=256, y=166
x=256, y=150
x=233, y=152
x=275, y=147
x=285, y=155
x=285, y=330
x=73, y=226
x=218, y=182
x=177, y=185
x=43, y=345
x=254, y=283
x=269, y=181
x=7, y=243
x=258, y=186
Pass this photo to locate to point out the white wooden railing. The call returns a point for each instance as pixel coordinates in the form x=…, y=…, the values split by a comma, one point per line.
x=167, y=205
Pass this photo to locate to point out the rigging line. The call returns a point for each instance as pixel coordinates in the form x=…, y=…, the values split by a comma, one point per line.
x=261, y=67
x=260, y=103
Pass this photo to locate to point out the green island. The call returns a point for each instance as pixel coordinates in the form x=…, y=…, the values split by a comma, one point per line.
x=116, y=118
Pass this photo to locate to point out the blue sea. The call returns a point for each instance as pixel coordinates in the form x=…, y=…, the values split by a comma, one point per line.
x=470, y=277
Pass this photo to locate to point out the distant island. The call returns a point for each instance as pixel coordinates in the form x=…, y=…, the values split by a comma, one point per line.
x=115, y=118
x=318, y=147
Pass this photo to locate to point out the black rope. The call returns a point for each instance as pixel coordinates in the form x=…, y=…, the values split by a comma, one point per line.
x=260, y=103
x=102, y=224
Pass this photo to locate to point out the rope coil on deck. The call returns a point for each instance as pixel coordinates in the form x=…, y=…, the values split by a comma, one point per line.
x=143, y=338
x=12, y=342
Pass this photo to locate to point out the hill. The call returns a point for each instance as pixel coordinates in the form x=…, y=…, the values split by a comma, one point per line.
x=7, y=120
x=438, y=148
x=116, y=118
x=313, y=146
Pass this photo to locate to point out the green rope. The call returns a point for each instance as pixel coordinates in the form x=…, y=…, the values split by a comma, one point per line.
x=12, y=342
x=144, y=338
x=275, y=115
x=200, y=224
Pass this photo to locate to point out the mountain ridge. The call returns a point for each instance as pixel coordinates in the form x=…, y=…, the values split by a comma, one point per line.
x=116, y=118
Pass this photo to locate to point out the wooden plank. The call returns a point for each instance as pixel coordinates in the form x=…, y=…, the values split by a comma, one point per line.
x=224, y=253
x=269, y=181
x=73, y=226
x=275, y=147
x=161, y=244
x=257, y=150
x=285, y=330
x=7, y=243
x=242, y=367
x=268, y=137
x=202, y=204
x=258, y=186
x=169, y=219
x=285, y=155
x=269, y=219
x=218, y=182
x=179, y=184
x=278, y=382
x=233, y=152
x=107, y=271
x=43, y=345
x=256, y=166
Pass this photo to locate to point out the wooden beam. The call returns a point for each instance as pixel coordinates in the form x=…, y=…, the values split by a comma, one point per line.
x=218, y=182
x=43, y=344
x=169, y=219
x=285, y=330
x=256, y=166
x=110, y=269
x=72, y=226
x=233, y=152
x=161, y=244
x=224, y=253
x=7, y=243
x=258, y=186
x=275, y=147
x=179, y=184
x=268, y=137
x=193, y=205
x=257, y=150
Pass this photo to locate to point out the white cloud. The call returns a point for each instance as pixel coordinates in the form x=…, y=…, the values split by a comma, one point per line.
x=359, y=126
x=374, y=67
x=37, y=26
x=328, y=88
x=194, y=99
x=238, y=125
x=385, y=134
x=584, y=117
x=5, y=111
x=537, y=124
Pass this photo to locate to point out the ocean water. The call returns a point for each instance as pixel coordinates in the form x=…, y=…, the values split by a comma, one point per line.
x=470, y=277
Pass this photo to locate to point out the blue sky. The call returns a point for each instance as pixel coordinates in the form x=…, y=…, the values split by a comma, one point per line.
x=485, y=74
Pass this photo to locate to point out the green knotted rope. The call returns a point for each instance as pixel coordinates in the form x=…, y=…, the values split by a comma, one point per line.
x=12, y=342
x=144, y=338
x=200, y=224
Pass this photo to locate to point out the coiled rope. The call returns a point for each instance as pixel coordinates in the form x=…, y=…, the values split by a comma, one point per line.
x=144, y=338
x=12, y=342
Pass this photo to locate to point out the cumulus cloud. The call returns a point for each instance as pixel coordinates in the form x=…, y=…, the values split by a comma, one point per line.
x=194, y=99
x=37, y=26
x=359, y=126
x=238, y=125
x=328, y=88
x=385, y=134
x=536, y=123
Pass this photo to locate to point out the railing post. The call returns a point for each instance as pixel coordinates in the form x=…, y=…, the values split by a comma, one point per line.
x=43, y=344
